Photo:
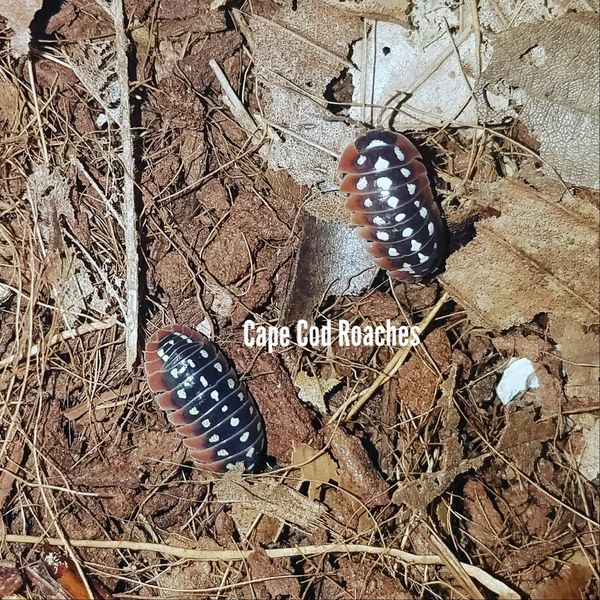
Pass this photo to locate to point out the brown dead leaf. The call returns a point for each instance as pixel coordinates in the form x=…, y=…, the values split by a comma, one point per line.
x=452, y=450
x=366, y=581
x=298, y=51
x=331, y=260
x=538, y=256
x=549, y=69
x=580, y=351
x=278, y=580
x=485, y=523
x=418, y=379
x=316, y=467
x=420, y=493
x=274, y=499
x=312, y=390
x=522, y=438
x=355, y=469
x=381, y=10
x=569, y=584
x=10, y=581
x=19, y=14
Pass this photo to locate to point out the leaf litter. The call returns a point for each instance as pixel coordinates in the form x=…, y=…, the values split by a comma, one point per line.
x=431, y=468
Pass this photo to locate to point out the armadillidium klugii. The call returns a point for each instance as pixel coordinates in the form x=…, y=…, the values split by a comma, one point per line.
x=203, y=398
x=392, y=202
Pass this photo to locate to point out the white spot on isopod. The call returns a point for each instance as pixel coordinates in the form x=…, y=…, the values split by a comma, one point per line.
x=414, y=245
x=392, y=202
x=203, y=353
x=400, y=217
x=250, y=453
x=378, y=220
x=181, y=394
x=405, y=172
x=222, y=453
x=214, y=395
x=375, y=144
x=383, y=183
x=205, y=423
x=231, y=383
x=368, y=203
x=408, y=231
x=381, y=164
x=393, y=252
x=203, y=381
x=191, y=363
x=417, y=203
x=422, y=257
x=411, y=187
x=398, y=153
x=194, y=411
x=219, y=367
x=213, y=439
x=224, y=408
x=361, y=184
x=230, y=466
x=361, y=160
x=244, y=437
x=234, y=421
x=430, y=228
x=383, y=236
x=423, y=212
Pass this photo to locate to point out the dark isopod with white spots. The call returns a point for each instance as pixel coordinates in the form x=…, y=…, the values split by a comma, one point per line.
x=391, y=199
x=203, y=398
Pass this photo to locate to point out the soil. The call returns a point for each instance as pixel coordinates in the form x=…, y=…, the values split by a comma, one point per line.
x=86, y=455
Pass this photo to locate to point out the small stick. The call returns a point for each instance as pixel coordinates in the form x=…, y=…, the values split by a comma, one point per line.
x=390, y=369
x=484, y=578
x=59, y=337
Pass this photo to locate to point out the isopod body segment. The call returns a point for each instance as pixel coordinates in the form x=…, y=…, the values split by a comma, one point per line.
x=204, y=400
x=392, y=201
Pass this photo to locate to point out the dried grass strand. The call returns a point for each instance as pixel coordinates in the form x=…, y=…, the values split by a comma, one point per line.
x=484, y=578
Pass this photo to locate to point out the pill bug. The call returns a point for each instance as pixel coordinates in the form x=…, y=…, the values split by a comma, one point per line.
x=392, y=202
x=203, y=398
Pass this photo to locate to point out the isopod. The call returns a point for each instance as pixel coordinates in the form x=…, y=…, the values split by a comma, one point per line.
x=392, y=201
x=204, y=399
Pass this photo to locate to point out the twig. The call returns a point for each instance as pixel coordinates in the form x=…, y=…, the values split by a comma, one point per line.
x=395, y=363
x=59, y=337
x=485, y=579
x=129, y=217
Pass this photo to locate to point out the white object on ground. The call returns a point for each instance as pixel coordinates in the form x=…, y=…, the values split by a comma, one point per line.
x=518, y=377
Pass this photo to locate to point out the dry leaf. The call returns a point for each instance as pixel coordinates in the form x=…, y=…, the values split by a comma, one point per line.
x=277, y=580
x=74, y=289
x=298, y=52
x=19, y=15
x=538, y=256
x=316, y=467
x=550, y=70
x=569, y=584
x=522, y=438
x=355, y=469
x=589, y=461
x=418, y=379
x=380, y=10
x=430, y=91
x=581, y=353
x=331, y=260
x=313, y=389
x=274, y=499
x=485, y=523
x=420, y=493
